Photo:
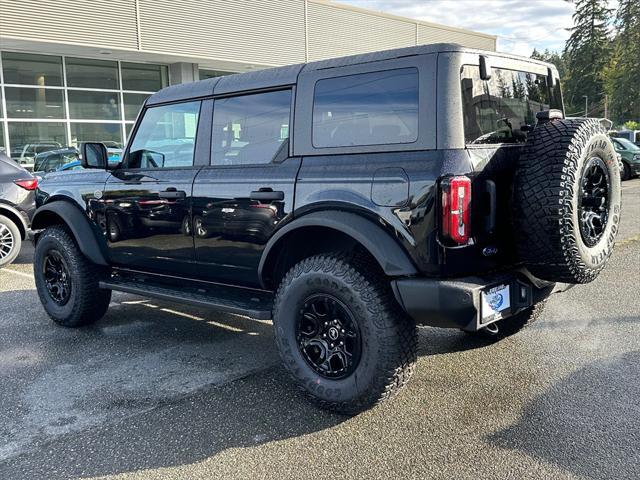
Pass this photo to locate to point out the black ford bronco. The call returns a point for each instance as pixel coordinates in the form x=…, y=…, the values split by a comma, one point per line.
x=349, y=200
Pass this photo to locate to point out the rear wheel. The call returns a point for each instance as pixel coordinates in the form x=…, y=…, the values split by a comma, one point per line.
x=66, y=281
x=626, y=171
x=10, y=241
x=340, y=333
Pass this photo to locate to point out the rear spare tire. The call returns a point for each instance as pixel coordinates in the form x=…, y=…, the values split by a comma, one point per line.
x=567, y=200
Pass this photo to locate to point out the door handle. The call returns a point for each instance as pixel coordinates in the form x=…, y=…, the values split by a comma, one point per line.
x=268, y=195
x=172, y=193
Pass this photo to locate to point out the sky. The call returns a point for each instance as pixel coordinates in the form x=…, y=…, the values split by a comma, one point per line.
x=520, y=25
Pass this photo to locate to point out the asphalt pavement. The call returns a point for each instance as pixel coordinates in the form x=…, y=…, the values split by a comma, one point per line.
x=156, y=390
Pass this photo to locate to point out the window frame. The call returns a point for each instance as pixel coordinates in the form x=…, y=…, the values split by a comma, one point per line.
x=200, y=140
x=303, y=123
x=504, y=63
x=278, y=157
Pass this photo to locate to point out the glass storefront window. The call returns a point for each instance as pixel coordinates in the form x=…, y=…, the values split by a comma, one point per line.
x=144, y=77
x=204, y=74
x=85, y=73
x=127, y=128
x=108, y=133
x=31, y=138
x=87, y=105
x=30, y=69
x=2, y=147
x=132, y=104
x=34, y=103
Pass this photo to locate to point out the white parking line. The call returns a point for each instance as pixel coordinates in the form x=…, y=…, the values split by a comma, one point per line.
x=22, y=274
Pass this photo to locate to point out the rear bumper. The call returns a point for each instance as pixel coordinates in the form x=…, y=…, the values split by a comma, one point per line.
x=457, y=303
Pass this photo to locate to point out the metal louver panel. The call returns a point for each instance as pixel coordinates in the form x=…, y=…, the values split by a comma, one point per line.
x=436, y=34
x=103, y=24
x=252, y=31
x=336, y=31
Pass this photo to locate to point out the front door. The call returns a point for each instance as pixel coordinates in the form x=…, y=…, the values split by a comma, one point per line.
x=146, y=205
x=247, y=191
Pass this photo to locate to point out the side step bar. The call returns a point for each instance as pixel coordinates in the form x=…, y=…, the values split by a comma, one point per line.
x=250, y=303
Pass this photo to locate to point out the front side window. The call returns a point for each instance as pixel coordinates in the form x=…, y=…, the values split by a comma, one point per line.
x=366, y=109
x=166, y=137
x=503, y=109
x=250, y=129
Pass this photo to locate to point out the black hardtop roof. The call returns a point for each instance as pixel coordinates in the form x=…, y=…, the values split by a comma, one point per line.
x=288, y=75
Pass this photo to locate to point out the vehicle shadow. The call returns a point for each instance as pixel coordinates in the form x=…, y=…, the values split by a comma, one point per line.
x=582, y=425
x=156, y=385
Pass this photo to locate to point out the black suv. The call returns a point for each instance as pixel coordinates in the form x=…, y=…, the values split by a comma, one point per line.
x=349, y=200
x=17, y=205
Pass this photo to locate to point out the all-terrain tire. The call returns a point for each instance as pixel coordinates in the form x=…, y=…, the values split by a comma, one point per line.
x=548, y=195
x=10, y=241
x=87, y=303
x=511, y=325
x=388, y=335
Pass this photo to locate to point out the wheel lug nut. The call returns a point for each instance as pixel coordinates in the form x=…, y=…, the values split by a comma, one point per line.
x=332, y=345
x=341, y=343
x=324, y=335
x=342, y=330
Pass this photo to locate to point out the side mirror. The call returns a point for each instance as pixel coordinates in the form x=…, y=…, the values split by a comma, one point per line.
x=94, y=155
x=485, y=68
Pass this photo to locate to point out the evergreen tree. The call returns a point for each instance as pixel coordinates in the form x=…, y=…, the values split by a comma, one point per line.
x=623, y=73
x=587, y=54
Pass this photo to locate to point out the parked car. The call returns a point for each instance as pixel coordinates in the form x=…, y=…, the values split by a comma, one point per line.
x=25, y=154
x=631, y=135
x=347, y=199
x=17, y=205
x=630, y=153
x=54, y=159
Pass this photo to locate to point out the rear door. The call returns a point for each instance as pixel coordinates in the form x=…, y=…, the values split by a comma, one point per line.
x=146, y=206
x=247, y=191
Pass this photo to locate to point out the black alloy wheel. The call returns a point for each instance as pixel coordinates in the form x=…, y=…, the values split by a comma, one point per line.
x=328, y=337
x=57, y=278
x=593, y=202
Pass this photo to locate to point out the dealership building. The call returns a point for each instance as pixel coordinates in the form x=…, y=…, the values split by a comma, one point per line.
x=79, y=70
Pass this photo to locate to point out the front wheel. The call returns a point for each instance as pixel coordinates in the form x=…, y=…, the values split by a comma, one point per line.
x=340, y=333
x=67, y=282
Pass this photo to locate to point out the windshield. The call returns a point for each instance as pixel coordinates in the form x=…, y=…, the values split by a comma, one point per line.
x=626, y=144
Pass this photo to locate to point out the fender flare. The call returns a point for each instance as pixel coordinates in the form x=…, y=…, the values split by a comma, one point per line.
x=385, y=249
x=24, y=226
x=85, y=235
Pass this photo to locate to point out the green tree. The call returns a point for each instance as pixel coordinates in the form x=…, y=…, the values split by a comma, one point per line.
x=587, y=53
x=623, y=72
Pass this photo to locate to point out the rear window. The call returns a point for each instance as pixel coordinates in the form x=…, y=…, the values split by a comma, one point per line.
x=366, y=109
x=496, y=110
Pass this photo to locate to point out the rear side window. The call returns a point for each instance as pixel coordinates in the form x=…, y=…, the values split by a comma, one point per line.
x=250, y=129
x=366, y=109
x=496, y=110
x=166, y=137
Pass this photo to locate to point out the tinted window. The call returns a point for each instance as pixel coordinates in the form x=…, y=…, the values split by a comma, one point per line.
x=251, y=128
x=90, y=105
x=144, y=77
x=366, y=109
x=166, y=137
x=30, y=69
x=495, y=110
x=34, y=102
x=82, y=72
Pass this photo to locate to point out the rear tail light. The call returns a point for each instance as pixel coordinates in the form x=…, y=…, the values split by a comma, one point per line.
x=456, y=209
x=27, y=183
